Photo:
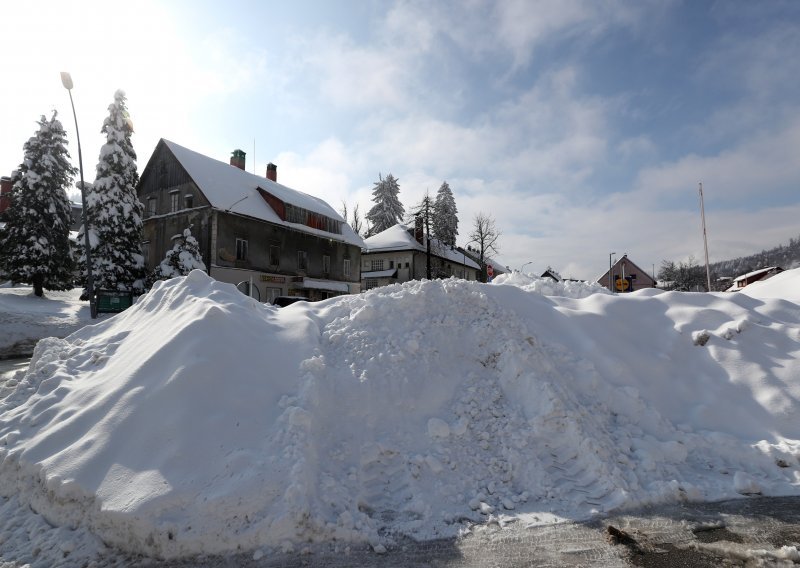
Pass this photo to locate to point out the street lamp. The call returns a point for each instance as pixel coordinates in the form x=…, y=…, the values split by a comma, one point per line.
x=66, y=80
x=524, y=265
x=610, y=286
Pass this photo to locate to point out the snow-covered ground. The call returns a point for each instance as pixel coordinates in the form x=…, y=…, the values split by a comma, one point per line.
x=200, y=421
x=25, y=318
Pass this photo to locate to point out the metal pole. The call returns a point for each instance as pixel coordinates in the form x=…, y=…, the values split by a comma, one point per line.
x=705, y=238
x=86, y=244
x=610, y=286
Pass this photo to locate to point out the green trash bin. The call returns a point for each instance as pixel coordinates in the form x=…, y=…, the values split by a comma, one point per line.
x=113, y=301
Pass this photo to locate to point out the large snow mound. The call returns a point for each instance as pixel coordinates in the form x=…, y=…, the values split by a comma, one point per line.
x=200, y=421
x=548, y=286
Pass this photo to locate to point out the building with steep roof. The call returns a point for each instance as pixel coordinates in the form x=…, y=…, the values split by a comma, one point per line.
x=399, y=254
x=273, y=239
x=626, y=276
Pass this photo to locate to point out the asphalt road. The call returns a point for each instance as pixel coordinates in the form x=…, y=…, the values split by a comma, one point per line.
x=743, y=532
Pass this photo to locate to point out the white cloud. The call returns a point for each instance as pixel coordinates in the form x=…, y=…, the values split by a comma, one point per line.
x=764, y=164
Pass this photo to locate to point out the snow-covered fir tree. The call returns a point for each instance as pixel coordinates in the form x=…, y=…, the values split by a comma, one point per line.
x=387, y=211
x=445, y=216
x=181, y=259
x=114, y=211
x=35, y=247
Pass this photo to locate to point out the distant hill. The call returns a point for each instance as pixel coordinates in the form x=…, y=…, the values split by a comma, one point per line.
x=785, y=256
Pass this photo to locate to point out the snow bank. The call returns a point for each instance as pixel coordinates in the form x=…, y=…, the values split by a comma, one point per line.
x=200, y=421
x=549, y=287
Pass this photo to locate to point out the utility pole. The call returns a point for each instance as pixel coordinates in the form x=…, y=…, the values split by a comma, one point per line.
x=705, y=238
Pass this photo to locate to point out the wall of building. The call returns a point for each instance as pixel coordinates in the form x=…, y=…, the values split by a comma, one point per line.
x=412, y=265
x=637, y=278
x=400, y=260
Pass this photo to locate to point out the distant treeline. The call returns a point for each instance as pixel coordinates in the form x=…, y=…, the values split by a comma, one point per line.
x=785, y=256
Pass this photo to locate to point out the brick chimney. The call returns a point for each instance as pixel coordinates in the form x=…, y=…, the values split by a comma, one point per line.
x=272, y=172
x=237, y=159
x=419, y=231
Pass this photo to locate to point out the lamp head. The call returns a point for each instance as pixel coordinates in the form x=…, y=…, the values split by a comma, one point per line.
x=66, y=80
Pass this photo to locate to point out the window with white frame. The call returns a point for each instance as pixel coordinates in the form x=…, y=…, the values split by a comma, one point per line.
x=241, y=249
x=370, y=283
x=376, y=265
x=174, y=201
x=302, y=260
x=346, y=268
x=188, y=201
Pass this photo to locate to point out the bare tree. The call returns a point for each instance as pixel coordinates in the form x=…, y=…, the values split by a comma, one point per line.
x=485, y=235
x=355, y=222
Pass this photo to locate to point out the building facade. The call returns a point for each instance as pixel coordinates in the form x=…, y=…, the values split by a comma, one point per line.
x=267, y=238
x=399, y=254
x=626, y=276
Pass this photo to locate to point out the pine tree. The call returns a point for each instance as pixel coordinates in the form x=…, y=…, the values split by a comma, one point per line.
x=445, y=219
x=181, y=259
x=387, y=211
x=36, y=247
x=114, y=211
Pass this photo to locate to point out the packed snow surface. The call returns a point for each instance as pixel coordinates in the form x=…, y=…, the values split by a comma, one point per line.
x=201, y=421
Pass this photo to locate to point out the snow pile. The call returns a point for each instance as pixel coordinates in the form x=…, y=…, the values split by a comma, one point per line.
x=782, y=286
x=548, y=286
x=201, y=421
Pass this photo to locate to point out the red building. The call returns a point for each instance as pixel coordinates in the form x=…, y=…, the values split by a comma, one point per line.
x=5, y=193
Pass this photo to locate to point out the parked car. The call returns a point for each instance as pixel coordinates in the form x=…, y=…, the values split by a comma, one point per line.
x=283, y=301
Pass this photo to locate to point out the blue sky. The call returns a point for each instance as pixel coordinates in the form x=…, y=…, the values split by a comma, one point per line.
x=582, y=127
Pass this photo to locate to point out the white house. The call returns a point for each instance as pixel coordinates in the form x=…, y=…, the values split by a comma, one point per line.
x=399, y=254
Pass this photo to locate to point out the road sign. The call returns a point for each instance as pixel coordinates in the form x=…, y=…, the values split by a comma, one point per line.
x=489, y=270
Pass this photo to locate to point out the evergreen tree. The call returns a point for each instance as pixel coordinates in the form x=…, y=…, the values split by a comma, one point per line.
x=422, y=215
x=180, y=260
x=445, y=219
x=114, y=211
x=387, y=211
x=35, y=247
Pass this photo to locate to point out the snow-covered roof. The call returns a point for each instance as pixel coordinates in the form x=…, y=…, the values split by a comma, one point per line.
x=400, y=237
x=229, y=188
x=754, y=273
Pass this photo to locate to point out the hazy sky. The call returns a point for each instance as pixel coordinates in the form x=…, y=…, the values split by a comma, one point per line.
x=582, y=127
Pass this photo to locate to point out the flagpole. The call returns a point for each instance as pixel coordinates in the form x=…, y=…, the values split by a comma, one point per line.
x=705, y=238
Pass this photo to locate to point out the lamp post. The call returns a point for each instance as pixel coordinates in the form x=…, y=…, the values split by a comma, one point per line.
x=66, y=80
x=524, y=265
x=610, y=286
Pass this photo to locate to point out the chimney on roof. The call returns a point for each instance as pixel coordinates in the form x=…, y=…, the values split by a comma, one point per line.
x=237, y=159
x=419, y=233
x=272, y=172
